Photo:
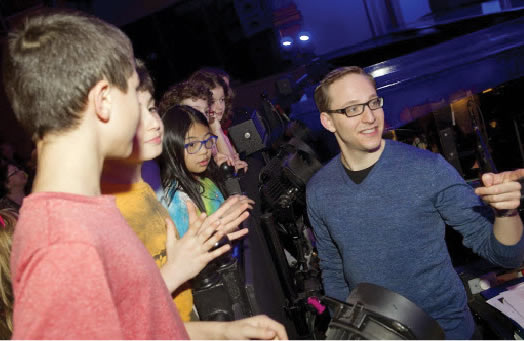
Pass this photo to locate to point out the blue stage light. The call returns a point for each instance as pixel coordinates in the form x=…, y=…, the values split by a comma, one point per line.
x=286, y=42
x=304, y=36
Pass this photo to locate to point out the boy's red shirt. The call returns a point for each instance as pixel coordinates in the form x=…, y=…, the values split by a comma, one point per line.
x=79, y=272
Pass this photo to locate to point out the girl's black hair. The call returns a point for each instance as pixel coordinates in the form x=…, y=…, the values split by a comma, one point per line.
x=173, y=171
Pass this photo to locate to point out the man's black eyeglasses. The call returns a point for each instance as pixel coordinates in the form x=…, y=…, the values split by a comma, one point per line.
x=358, y=109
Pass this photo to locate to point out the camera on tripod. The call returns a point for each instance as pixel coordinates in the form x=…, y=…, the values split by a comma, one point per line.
x=289, y=160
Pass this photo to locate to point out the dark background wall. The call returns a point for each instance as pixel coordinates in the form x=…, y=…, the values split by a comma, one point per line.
x=176, y=37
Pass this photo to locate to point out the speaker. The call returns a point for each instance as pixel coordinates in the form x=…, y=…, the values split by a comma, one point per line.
x=248, y=136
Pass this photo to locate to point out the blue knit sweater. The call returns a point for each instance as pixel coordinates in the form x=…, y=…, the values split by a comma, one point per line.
x=389, y=230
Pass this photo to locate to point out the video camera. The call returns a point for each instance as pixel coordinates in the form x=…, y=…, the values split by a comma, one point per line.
x=289, y=160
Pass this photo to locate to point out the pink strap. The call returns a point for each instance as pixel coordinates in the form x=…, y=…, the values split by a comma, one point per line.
x=315, y=302
x=2, y=221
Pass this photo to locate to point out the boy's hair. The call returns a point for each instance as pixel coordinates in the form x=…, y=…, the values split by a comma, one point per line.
x=322, y=98
x=178, y=92
x=8, y=218
x=52, y=61
x=144, y=78
x=211, y=80
x=173, y=170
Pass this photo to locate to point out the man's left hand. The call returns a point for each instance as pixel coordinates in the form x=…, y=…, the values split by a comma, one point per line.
x=501, y=191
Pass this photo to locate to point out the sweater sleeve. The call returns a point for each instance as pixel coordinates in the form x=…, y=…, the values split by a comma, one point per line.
x=330, y=260
x=463, y=210
x=63, y=293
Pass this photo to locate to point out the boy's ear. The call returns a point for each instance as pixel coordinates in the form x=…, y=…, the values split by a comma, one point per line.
x=327, y=121
x=102, y=100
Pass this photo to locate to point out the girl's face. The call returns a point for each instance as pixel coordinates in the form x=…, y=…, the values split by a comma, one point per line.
x=197, y=163
x=219, y=102
x=150, y=130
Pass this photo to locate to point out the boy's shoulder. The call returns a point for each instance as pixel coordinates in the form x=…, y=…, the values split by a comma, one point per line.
x=49, y=218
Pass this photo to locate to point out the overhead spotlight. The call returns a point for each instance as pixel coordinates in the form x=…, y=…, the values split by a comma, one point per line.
x=304, y=36
x=286, y=42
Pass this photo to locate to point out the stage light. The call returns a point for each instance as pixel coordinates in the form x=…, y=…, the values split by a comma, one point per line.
x=381, y=71
x=304, y=36
x=286, y=42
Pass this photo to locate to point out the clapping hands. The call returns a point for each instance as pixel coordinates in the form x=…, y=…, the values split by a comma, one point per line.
x=187, y=256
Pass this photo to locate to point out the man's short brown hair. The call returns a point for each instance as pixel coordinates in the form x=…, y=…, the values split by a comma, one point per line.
x=51, y=62
x=322, y=98
x=178, y=92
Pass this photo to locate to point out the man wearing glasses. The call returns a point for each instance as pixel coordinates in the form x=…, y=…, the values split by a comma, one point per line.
x=380, y=207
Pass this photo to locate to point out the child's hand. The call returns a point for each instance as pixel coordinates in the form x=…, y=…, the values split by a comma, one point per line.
x=214, y=124
x=240, y=165
x=237, y=163
x=220, y=158
x=231, y=214
x=234, y=161
x=258, y=327
x=187, y=256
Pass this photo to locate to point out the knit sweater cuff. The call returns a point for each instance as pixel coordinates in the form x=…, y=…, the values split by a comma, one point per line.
x=508, y=255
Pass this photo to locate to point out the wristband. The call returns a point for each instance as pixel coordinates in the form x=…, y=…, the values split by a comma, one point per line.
x=506, y=213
